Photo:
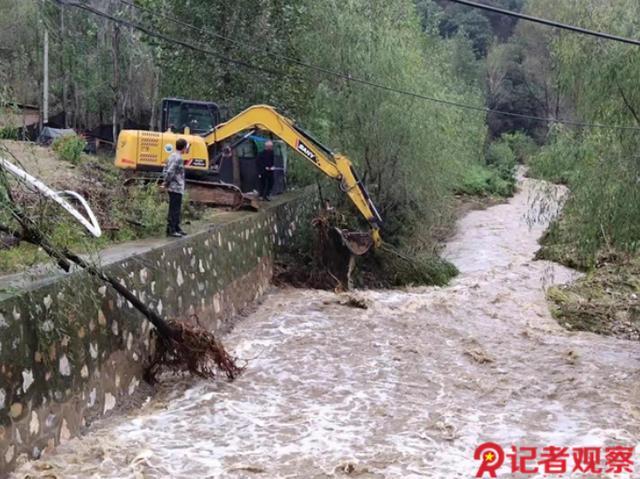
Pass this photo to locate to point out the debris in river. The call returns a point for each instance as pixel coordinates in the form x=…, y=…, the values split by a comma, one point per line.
x=194, y=350
x=351, y=301
x=355, y=302
x=356, y=470
x=479, y=355
x=572, y=357
x=246, y=468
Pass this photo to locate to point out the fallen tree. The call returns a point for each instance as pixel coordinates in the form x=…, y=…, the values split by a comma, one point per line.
x=181, y=346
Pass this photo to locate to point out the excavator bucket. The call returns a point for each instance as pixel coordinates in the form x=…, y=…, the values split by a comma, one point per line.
x=357, y=242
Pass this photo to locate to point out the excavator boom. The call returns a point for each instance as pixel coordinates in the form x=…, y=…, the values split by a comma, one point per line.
x=336, y=166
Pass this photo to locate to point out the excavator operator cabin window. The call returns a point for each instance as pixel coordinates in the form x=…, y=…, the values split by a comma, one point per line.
x=199, y=117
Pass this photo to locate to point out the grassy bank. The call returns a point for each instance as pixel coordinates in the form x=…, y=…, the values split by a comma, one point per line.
x=605, y=301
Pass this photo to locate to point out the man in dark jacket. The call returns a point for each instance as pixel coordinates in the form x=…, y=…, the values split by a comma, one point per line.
x=265, y=170
x=174, y=183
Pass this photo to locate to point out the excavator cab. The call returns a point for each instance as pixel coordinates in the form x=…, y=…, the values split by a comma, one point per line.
x=199, y=116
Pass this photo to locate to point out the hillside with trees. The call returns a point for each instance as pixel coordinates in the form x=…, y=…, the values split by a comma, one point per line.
x=347, y=81
x=103, y=71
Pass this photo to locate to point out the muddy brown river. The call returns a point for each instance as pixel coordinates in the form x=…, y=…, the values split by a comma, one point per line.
x=405, y=389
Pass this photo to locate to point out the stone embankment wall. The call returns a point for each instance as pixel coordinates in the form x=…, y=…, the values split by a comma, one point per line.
x=71, y=350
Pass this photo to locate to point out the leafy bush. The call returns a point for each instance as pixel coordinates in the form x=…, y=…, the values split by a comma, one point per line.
x=143, y=210
x=500, y=156
x=500, y=186
x=479, y=180
x=559, y=160
x=69, y=148
x=475, y=181
x=496, y=177
x=502, y=160
x=9, y=133
x=522, y=145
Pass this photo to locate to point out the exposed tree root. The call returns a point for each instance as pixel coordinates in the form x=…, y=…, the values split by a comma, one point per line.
x=192, y=350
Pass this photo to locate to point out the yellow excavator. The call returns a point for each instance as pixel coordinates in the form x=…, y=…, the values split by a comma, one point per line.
x=147, y=151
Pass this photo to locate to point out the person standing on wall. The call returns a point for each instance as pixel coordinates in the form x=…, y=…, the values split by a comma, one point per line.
x=265, y=170
x=174, y=183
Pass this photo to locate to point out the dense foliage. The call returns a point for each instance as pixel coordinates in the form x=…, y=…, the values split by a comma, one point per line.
x=411, y=151
x=598, y=80
x=412, y=154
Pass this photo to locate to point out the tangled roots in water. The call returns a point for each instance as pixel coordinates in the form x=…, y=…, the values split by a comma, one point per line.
x=192, y=350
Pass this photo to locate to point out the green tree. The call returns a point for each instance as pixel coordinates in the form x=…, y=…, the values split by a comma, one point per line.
x=598, y=78
x=244, y=31
x=412, y=152
x=470, y=22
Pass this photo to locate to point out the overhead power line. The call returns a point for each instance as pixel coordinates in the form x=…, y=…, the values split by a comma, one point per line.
x=550, y=23
x=357, y=80
x=323, y=70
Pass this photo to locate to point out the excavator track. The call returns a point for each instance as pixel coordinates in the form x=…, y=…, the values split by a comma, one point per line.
x=211, y=193
x=220, y=194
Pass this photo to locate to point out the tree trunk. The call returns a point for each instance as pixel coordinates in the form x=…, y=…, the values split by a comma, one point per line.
x=76, y=105
x=65, y=69
x=126, y=107
x=115, y=54
x=45, y=82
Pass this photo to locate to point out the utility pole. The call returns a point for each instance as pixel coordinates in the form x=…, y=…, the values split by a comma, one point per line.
x=45, y=88
x=63, y=64
x=115, y=53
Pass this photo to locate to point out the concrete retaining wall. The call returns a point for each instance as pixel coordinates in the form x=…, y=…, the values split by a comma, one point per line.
x=72, y=350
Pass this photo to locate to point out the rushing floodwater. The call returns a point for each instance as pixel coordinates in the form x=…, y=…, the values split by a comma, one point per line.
x=405, y=389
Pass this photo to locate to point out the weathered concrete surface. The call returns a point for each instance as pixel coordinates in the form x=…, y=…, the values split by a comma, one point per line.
x=72, y=350
x=406, y=389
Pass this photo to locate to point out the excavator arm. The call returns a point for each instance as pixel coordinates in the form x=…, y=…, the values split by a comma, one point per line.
x=336, y=166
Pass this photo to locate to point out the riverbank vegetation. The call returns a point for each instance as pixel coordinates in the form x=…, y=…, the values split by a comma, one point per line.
x=417, y=157
x=413, y=154
x=599, y=229
x=600, y=165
